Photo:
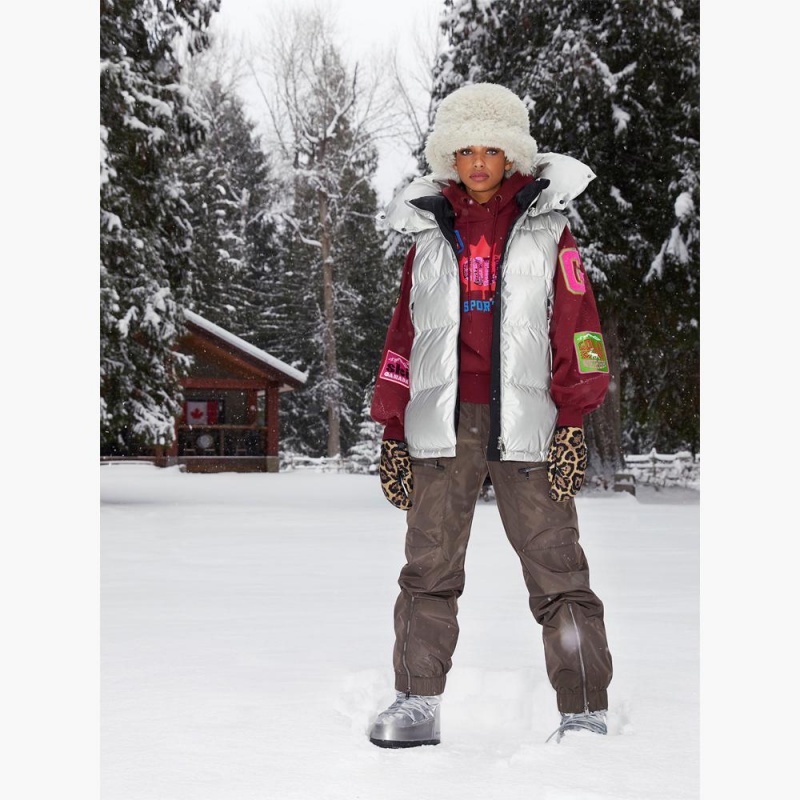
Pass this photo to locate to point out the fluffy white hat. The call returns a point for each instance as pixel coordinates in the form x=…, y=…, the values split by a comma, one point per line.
x=482, y=115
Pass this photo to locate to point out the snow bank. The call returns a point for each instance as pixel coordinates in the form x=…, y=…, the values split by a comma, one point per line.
x=247, y=636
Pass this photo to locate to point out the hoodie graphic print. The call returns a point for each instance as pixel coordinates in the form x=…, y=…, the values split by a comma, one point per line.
x=481, y=233
x=478, y=273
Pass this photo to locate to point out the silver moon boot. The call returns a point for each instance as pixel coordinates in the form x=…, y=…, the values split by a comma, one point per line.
x=591, y=721
x=412, y=720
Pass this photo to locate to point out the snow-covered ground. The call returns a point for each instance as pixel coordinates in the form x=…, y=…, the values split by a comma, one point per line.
x=247, y=636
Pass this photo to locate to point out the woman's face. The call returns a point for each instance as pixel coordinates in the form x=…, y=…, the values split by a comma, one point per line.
x=481, y=170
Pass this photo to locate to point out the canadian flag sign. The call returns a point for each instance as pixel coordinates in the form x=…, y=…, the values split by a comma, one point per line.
x=201, y=412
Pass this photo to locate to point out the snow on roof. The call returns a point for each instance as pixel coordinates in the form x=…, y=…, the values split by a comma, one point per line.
x=248, y=348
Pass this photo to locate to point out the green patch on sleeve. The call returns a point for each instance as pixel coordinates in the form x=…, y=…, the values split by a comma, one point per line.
x=591, y=352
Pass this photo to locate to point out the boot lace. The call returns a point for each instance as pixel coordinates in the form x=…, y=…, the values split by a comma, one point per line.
x=416, y=707
x=592, y=721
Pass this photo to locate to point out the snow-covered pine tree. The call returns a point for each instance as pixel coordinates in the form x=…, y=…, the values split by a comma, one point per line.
x=227, y=182
x=660, y=158
x=615, y=85
x=146, y=121
x=370, y=278
x=333, y=285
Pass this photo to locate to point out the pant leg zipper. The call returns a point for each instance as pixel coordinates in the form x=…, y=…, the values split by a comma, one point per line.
x=405, y=645
x=580, y=659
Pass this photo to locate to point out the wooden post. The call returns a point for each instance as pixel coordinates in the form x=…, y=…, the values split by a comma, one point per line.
x=273, y=430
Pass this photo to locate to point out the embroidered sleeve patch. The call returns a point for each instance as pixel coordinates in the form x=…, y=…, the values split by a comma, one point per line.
x=395, y=368
x=572, y=270
x=591, y=352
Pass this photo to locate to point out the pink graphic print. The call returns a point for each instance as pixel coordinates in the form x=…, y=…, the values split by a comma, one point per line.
x=395, y=369
x=478, y=273
x=571, y=268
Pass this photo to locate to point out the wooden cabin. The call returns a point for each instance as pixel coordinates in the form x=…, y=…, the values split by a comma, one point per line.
x=231, y=399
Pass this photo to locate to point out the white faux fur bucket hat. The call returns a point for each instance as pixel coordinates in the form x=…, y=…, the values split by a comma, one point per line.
x=480, y=115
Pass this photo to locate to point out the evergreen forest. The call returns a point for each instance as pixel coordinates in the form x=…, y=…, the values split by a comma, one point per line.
x=272, y=235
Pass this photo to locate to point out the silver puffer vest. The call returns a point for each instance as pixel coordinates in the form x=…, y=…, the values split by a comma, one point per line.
x=524, y=408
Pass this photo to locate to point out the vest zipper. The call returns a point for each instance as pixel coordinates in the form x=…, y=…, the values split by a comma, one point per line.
x=495, y=382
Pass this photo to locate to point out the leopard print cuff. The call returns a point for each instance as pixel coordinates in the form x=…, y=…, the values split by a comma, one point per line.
x=566, y=463
x=395, y=473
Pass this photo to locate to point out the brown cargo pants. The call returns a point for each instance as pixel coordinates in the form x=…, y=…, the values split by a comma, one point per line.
x=544, y=535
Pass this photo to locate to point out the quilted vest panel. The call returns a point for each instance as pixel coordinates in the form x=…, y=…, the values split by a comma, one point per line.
x=527, y=412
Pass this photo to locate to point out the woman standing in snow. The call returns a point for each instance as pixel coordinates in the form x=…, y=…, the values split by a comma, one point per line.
x=494, y=355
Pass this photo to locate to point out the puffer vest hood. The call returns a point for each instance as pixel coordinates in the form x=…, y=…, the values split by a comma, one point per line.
x=522, y=411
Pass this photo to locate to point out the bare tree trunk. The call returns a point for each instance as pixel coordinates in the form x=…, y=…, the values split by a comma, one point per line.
x=325, y=121
x=603, y=426
x=332, y=400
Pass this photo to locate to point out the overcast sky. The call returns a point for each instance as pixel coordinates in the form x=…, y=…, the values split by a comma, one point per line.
x=363, y=24
x=364, y=28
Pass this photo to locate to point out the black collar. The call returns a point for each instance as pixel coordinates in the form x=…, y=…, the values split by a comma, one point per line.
x=527, y=195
